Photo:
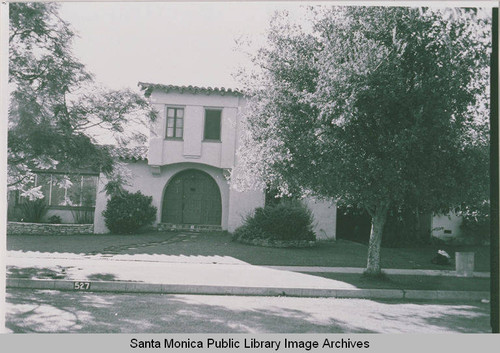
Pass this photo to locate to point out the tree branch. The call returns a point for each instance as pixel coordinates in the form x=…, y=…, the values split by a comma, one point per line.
x=18, y=181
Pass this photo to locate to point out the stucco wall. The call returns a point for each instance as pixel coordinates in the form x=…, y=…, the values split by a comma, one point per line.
x=446, y=226
x=242, y=204
x=325, y=218
x=192, y=148
x=100, y=206
x=67, y=215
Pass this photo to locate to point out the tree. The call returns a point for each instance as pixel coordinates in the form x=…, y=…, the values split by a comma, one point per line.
x=56, y=110
x=373, y=107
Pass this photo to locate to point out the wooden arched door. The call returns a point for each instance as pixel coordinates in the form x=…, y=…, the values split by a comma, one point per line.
x=192, y=197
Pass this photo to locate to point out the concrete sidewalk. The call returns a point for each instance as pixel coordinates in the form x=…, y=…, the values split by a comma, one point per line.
x=198, y=275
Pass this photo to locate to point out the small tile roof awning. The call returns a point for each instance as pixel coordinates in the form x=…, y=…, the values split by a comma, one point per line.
x=138, y=153
x=148, y=88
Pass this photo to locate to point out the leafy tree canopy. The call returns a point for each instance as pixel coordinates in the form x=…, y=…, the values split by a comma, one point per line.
x=374, y=107
x=56, y=110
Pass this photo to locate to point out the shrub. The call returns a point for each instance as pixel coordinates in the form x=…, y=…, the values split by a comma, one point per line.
x=83, y=216
x=55, y=219
x=284, y=221
x=407, y=227
x=127, y=212
x=476, y=223
x=33, y=211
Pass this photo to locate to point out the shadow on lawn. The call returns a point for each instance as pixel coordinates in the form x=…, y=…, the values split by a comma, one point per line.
x=46, y=273
x=102, y=277
x=35, y=273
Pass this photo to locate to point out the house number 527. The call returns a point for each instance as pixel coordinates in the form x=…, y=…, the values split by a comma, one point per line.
x=81, y=285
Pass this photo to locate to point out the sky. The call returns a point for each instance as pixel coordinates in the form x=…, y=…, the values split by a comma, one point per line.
x=170, y=43
x=180, y=43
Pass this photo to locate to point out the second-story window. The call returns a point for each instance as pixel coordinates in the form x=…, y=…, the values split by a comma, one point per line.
x=212, y=124
x=175, y=122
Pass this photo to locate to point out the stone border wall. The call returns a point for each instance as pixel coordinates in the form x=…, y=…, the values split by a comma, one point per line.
x=271, y=243
x=17, y=228
x=162, y=227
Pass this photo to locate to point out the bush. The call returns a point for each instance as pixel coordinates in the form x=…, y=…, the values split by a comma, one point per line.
x=55, y=219
x=83, y=216
x=127, y=212
x=476, y=223
x=33, y=211
x=285, y=221
x=406, y=227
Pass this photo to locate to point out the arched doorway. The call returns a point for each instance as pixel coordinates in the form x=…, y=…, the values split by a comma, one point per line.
x=192, y=197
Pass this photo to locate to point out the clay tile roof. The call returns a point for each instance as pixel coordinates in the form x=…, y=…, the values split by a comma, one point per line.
x=139, y=153
x=149, y=87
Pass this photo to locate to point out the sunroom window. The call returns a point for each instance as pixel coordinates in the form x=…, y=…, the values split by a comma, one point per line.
x=73, y=190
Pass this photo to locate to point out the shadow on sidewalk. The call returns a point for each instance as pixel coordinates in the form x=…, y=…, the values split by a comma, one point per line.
x=53, y=311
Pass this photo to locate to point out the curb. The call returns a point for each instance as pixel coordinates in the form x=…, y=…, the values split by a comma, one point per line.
x=140, y=287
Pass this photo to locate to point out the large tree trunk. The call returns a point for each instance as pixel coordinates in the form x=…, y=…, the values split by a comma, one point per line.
x=379, y=217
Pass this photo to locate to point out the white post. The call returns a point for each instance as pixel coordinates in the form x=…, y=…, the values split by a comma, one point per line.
x=464, y=264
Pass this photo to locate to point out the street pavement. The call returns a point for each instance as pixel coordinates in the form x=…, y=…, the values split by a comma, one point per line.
x=44, y=311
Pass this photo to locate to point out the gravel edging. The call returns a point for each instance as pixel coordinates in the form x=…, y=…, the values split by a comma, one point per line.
x=272, y=243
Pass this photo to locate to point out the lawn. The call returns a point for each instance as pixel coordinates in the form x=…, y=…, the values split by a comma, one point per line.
x=411, y=282
x=341, y=253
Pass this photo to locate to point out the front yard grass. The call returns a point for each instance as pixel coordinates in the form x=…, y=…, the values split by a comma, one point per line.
x=341, y=253
x=411, y=282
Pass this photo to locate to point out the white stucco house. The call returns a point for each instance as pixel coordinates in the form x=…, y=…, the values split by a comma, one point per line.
x=191, y=152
